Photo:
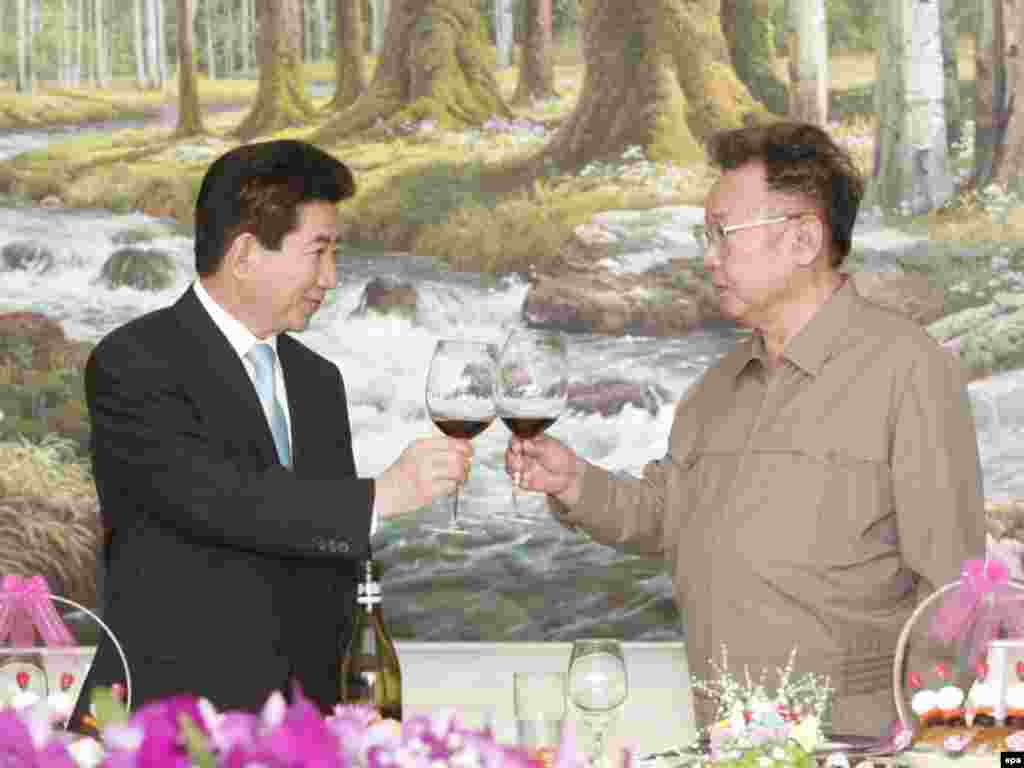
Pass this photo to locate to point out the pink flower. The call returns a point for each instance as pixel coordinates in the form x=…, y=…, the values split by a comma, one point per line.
x=957, y=742
x=22, y=747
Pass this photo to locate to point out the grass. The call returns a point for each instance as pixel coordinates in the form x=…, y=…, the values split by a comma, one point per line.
x=47, y=469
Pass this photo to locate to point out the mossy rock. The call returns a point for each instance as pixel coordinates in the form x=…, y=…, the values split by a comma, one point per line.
x=27, y=256
x=995, y=345
x=145, y=270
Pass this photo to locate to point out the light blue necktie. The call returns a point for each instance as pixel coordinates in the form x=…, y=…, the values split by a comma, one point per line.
x=262, y=356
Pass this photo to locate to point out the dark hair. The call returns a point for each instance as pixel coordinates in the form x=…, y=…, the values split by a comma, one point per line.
x=801, y=158
x=258, y=188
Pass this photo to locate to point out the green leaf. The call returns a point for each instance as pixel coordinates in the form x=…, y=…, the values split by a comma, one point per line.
x=108, y=709
x=195, y=743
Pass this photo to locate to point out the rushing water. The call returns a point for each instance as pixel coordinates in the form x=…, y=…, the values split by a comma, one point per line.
x=508, y=580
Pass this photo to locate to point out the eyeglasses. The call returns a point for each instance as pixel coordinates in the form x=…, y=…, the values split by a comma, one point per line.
x=714, y=234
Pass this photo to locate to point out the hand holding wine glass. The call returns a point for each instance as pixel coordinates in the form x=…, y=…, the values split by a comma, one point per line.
x=532, y=385
x=460, y=396
x=598, y=685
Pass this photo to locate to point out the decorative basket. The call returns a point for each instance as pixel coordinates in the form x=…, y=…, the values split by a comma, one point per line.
x=47, y=644
x=906, y=717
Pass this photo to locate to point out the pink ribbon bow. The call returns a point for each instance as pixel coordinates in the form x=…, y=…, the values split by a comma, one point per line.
x=975, y=611
x=25, y=608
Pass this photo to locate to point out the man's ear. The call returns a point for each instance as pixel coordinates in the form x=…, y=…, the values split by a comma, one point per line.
x=242, y=255
x=810, y=239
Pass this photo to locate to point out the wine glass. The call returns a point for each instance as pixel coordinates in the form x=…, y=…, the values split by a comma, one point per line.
x=532, y=385
x=597, y=686
x=460, y=397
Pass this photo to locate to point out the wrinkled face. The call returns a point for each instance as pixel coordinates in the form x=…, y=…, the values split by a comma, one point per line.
x=754, y=270
x=288, y=285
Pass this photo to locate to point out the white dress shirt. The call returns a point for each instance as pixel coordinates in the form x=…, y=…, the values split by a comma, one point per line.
x=242, y=340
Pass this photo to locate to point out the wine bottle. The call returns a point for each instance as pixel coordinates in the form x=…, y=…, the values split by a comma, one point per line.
x=370, y=673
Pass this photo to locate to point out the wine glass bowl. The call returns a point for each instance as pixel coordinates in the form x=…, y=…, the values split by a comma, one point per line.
x=532, y=384
x=460, y=396
x=598, y=685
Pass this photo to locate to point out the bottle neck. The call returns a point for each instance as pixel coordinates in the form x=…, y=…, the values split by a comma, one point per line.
x=369, y=596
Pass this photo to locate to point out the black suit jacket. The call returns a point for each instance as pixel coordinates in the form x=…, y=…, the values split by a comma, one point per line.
x=227, y=575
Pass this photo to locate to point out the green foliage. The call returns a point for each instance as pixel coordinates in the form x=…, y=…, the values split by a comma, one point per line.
x=428, y=197
x=108, y=708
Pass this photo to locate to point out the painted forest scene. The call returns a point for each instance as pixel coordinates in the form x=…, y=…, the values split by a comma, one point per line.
x=518, y=163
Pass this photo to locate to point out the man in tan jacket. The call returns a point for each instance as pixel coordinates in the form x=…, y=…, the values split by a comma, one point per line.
x=823, y=476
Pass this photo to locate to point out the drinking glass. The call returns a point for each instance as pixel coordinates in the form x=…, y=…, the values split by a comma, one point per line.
x=532, y=385
x=597, y=686
x=460, y=397
x=539, y=702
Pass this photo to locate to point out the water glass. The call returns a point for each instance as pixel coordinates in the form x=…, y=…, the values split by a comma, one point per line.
x=539, y=702
x=598, y=685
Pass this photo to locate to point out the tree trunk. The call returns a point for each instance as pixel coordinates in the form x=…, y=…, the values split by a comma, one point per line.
x=149, y=41
x=378, y=23
x=140, y=60
x=303, y=37
x=189, y=117
x=34, y=17
x=951, y=69
x=545, y=20
x=65, y=54
x=161, y=37
x=321, y=6
x=990, y=90
x=657, y=76
x=536, y=70
x=912, y=174
x=349, y=66
x=228, y=43
x=807, y=39
x=1010, y=157
x=504, y=32
x=433, y=67
x=79, y=39
x=750, y=35
x=244, y=40
x=281, y=100
x=23, y=83
x=99, y=53
x=211, y=62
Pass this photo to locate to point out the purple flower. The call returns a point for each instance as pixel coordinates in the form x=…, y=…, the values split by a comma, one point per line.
x=152, y=737
x=24, y=746
x=301, y=738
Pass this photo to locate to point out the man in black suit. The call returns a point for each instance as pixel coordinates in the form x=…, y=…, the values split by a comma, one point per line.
x=223, y=456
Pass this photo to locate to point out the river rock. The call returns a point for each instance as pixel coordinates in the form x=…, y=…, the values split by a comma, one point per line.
x=609, y=396
x=28, y=256
x=143, y=269
x=33, y=340
x=386, y=295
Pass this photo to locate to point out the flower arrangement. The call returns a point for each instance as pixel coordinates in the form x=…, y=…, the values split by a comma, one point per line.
x=758, y=728
x=186, y=732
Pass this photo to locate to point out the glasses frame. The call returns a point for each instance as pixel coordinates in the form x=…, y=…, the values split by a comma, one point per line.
x=712, y=235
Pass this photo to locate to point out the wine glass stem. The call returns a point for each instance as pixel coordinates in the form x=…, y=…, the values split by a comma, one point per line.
x=597, y=745
x=455, y=505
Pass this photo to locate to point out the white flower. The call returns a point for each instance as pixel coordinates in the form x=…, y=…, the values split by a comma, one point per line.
x=87, y=752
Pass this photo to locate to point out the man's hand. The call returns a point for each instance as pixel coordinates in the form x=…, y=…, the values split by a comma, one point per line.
x=427, y=468
x=545, y=465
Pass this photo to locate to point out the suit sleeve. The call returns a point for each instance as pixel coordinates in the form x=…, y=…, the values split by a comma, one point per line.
x=153, y=457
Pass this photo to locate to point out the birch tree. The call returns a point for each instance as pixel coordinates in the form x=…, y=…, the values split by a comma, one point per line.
x=211, y=61
x=100, y=52
x=911, y=174
x=79, y=39
x=161, y=37
x=65, y=44
x=23, y=83
x=321, y=14
x=504, y=28
x=245, y=38
x=378, y=21
x=807, y=41
x=140, y=56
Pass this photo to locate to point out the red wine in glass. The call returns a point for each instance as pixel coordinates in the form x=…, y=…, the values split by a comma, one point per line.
x=460, y=397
